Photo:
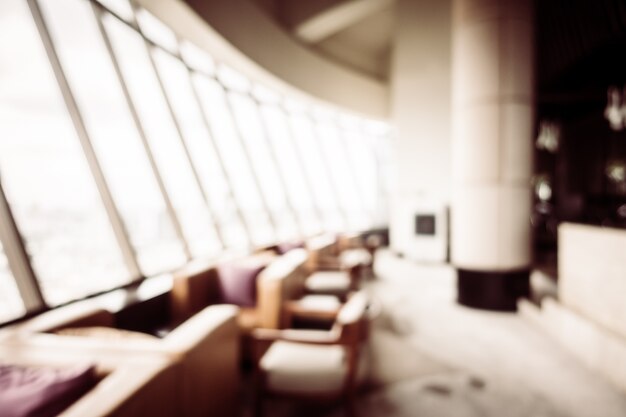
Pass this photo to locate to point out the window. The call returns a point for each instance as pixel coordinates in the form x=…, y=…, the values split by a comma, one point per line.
x=46, y=178
x=291, y=168
x=362, y=159
x=253, y=132
x=195, y=132
x=156, y=31
x=333, y=148
x=215, y=107
x=233, y=80
x=11, y=305
x=196, y=58
x=165, y=143
x=192, y=163
x=120, y=7
x=114, y=135
x=316, y=167
x=382, y=152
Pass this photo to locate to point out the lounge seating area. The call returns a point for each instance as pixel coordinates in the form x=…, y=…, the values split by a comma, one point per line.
x=313, y=364
x=320, y=208
x=188, y=341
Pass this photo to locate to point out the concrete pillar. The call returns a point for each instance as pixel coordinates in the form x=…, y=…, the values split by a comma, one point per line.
x=493, y=102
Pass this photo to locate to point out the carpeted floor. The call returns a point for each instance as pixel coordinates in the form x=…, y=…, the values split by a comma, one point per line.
x=430, y=357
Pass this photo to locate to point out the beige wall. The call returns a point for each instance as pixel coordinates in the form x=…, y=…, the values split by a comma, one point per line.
x=420, y=111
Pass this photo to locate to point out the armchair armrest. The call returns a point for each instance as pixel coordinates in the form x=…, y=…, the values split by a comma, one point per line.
x=84, y=314
x=207, y=348
x=129, y=391
x=201, y=329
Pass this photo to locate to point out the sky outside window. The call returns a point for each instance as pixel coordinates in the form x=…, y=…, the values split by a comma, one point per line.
x=45, y=175
x=114, y=135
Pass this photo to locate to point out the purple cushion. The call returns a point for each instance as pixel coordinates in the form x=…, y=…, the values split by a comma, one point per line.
x=238, y=282
x=283, y=248
x=42, y=392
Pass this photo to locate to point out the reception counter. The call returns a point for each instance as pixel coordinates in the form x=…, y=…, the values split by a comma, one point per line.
x=592, y=274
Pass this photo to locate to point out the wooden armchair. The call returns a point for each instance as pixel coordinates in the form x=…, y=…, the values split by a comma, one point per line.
x=313, y=365
x=128, y=385
x=205, y=349
x=334, y=271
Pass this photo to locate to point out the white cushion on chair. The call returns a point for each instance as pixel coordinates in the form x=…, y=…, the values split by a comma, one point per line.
x=303, y=368
x=328, y=282
x=319, y=302
x=357, y=256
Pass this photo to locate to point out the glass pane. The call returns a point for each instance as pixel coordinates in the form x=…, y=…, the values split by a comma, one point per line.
x=289, y=164
x=232, y=79
x=333, y=151
x=156, y=31
x=317, y=169
x=247, y=116
x=247, y=195
x=382, y=150
x=11, y=305
x=363, y=164
x=265, y=95
x=46, y=178
x=165, y=142
x=178, y=87
x=114, y=134
x=120, y=7
x=197, y=58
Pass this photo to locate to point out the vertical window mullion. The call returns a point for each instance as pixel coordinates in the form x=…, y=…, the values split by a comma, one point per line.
x=196, y=175
x=305, y=174
x=119, y=229
x=382, y=142
x=246, y=153
x=19, y=261
x=352, y=168
x=142, y=134
x=220, y=157
x=341, y=143
x=179, y=131
x=272, y=152
x=327, y=167
x=378, y=194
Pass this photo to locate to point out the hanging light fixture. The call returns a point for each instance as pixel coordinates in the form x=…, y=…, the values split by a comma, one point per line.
x=615, y=111
x=549, y=136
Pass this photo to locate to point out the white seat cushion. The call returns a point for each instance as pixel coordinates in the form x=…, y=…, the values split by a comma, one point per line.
x=335, y=282
x=355, y=257
x=319, y=302
x=307, y=369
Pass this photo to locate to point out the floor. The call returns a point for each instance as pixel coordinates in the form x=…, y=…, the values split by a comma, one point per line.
x=428, y=356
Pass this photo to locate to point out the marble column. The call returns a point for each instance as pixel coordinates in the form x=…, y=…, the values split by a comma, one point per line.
x=492, y=112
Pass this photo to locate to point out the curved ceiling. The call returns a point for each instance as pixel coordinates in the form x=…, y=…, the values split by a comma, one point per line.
x=579, y=43
x=354, y=33
x=257, y=36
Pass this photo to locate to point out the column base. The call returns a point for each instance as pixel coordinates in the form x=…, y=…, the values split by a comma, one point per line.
x=492, y=290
